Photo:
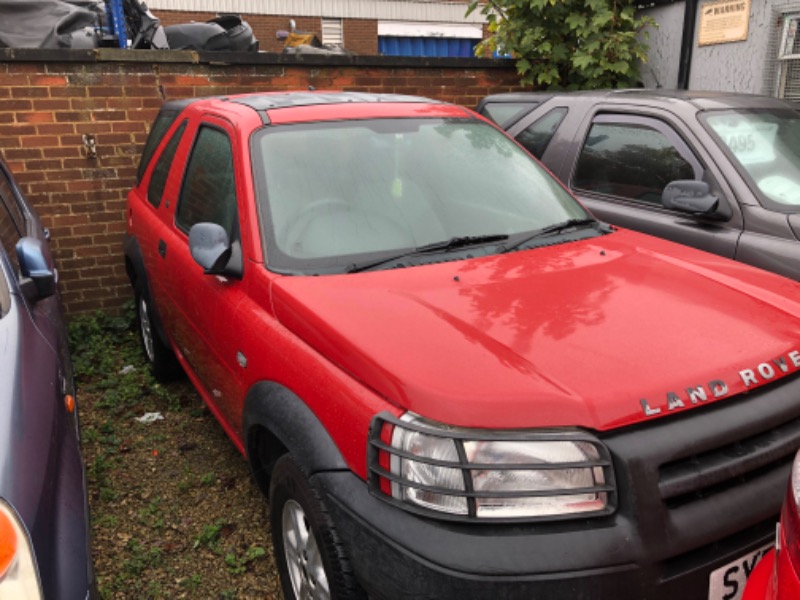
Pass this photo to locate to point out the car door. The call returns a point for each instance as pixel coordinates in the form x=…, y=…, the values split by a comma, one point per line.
x=205, y=305
x=618, y=162
x=157, y=194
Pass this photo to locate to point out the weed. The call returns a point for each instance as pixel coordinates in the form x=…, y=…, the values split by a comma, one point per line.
x=208, y=479
x=152, y=516
x=184, y=485
x=191, y=583
x=108, y=360
x=141, y=558
x=107, y=494
x=107, y=521
x=154, y=589
x=238, y=564
x=209, y=536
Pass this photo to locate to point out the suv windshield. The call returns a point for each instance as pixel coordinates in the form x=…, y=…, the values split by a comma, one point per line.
x=337, y=195
x=766, y=144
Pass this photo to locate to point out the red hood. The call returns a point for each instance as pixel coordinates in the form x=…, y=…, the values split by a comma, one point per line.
x=575, y=334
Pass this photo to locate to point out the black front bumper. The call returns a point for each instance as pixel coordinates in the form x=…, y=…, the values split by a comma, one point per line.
x=398, y=555
x=696, y=491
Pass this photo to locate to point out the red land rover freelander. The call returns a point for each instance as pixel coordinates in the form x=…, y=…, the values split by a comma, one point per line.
x=450, y=379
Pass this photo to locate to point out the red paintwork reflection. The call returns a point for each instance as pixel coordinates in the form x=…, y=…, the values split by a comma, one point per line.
x=575, y=334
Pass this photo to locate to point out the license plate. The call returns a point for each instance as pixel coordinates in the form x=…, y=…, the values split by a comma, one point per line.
x=727, y=582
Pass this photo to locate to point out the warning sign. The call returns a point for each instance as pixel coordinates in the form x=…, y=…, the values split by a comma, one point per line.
x=723, y=21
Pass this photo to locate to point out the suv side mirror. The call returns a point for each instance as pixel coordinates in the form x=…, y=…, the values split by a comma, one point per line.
x=690, y=196
x=38, y=279
x=211, y=249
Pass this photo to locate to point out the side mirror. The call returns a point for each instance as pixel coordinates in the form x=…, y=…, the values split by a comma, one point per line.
x=211, y=249
x=690, y=196
x=39, y=278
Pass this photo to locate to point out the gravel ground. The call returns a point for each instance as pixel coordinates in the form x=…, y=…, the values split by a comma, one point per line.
x=175, y=513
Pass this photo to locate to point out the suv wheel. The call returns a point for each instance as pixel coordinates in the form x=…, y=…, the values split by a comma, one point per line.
x=161, y=359
x=311, y=561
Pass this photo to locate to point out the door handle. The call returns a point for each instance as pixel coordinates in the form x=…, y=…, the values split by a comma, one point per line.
x=162, y=248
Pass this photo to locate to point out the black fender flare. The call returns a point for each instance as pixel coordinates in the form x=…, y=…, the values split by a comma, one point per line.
x=134, y=265
x=291, y=427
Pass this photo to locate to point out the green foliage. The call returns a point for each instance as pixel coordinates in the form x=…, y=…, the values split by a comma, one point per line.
x=192, y=583
x=238, y=564
x=91, y=337
x=107, y=359
x=141, y=558
x=152, y=516
x=209, y=536
x=568, y=44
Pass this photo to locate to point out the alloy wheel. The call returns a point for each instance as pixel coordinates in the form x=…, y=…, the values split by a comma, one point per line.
x=302, y=555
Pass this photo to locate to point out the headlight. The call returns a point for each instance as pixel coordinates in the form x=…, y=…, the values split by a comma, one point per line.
x=506, y=475
x=19, y=577
x=790, y=517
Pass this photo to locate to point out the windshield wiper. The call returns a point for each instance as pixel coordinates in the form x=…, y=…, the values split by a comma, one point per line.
x=554, y=229
x=443, y=246
x=461, y=242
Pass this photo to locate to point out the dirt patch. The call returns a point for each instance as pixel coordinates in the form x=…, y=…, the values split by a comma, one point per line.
x=174, y=511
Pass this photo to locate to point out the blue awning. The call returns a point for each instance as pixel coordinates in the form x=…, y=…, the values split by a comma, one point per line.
x=426, y=46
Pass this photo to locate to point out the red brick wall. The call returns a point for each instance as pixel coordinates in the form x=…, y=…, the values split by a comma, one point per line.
x=46, y=108
x=361, y=36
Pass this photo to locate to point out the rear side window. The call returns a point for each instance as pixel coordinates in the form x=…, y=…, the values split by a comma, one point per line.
x=632, y=160
x=161, y=171
x=208, y=194
x=502, y=112
x=162, y=123
x=537, y=136
x=12, y=221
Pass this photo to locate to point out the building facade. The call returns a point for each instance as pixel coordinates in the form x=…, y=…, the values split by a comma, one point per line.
x=748, y=46
x=366, y=27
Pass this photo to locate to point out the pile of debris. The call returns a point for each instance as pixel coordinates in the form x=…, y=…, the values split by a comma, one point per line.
x=86, y=24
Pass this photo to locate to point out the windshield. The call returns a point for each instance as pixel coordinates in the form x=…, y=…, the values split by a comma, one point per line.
x=766, y=145
x=334, y=194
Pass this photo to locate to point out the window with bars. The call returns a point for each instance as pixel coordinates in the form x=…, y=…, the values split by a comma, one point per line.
x=788, y=84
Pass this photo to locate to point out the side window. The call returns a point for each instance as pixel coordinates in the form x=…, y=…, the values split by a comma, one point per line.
x=501, y=112
x=632, y=160
x=538, y=135
x=12, y=221
x=208, y=194
x=161, y=171
x=157, y=131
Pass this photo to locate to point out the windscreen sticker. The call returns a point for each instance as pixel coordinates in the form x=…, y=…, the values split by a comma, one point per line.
x=751, y=143
x=781, y=189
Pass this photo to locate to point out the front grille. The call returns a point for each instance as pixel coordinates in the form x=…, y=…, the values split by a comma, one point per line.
x=700, y=475
x=703, y=485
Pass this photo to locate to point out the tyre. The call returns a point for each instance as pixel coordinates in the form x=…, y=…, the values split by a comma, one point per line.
x=311, y=561
x=159, y=356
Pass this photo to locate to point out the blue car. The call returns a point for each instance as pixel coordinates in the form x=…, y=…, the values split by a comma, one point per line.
x=44, y=523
